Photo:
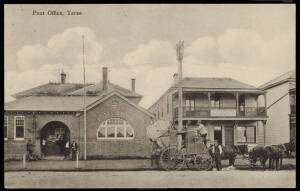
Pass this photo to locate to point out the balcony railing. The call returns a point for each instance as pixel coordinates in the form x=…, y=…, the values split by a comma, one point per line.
x=196, y=112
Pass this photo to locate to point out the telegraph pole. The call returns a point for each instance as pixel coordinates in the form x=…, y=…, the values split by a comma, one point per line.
x=84, y=105
x=180, y=52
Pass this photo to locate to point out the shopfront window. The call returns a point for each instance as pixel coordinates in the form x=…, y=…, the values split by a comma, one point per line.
x=246, y=134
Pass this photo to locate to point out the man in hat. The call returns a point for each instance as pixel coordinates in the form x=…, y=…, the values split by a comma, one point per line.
x=202, y=130
x=217, y=151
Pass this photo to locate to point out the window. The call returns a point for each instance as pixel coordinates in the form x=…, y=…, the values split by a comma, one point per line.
x=190, y=103
x=5, y=126
x=246, y=134
x=215, y=101
x=115, y=128
x=19, y=127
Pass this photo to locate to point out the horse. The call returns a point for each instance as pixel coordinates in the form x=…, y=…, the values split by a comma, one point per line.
x=230, y=152
x=276, y=154
x=259, y=153
x=290, y=147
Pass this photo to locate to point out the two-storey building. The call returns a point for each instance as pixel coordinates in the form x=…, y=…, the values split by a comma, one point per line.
x=228, y=108
x=281, y=104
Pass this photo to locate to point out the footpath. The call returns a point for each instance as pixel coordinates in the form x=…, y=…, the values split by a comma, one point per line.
x=83, y=165
x=116, y=165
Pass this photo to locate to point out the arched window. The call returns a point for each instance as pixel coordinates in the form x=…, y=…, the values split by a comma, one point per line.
x=115, y=128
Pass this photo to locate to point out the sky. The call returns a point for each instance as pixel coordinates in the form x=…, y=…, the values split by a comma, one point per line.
x=252, y=43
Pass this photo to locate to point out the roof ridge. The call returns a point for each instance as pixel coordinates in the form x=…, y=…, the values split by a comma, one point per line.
x=274, y=79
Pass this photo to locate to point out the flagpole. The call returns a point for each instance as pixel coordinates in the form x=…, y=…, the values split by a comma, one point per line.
x=84, y=106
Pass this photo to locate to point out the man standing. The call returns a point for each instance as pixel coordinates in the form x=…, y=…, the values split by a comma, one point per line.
x=67, y=149
x=44, y=149
x=74, y=150
x=202, y=131
x=217, y=151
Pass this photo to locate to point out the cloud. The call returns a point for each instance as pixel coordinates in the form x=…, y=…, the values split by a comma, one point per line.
x=204, y=49
x=154, y=53
x=241, y=54
x=64, y=48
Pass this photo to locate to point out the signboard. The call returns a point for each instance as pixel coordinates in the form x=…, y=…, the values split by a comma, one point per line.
x=223, y=112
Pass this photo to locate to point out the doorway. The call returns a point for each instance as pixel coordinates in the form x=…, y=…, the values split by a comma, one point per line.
x=229, y=135
x=55, y=134
x=218, y=134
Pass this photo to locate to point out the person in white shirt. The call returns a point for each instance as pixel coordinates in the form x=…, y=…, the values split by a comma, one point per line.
x=217, y=151
x=67, y=149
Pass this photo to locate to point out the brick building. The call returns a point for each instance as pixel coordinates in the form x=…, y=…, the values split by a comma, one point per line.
x=116, y=124
x=281, y=103
x=230, y=109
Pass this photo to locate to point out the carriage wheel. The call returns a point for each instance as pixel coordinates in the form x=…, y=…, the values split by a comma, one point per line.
x=171, y=159
x=190, y=164
x=203, y=161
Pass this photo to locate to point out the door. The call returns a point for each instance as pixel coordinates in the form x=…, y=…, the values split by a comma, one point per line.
x=218, y=134
x=229, y=136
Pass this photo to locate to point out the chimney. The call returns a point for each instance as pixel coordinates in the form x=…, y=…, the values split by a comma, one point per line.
x=133, y=85
x=104, y=78
x=175, y=78
x=63, y=77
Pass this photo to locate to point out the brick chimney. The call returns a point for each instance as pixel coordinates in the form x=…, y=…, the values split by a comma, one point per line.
x=104, y=78
x=63, y=77
x=133, y=85
x=175, y=78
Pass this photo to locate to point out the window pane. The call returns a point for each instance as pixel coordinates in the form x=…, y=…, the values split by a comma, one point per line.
x=120, y=131
x=250, y=134
x=110, y=131
x=19, y=131
x=129, y=131
x=101, y=132
x=241, y=134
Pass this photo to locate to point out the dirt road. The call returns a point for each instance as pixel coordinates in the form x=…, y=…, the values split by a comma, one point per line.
x=151, y=179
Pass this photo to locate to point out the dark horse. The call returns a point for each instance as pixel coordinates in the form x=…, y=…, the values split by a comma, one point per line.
x=259, y=153
x=290, y=147
x=230, y=152
x=274, y=153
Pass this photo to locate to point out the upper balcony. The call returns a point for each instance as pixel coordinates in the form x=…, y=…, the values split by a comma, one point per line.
x=206, y=112
x=220, y=105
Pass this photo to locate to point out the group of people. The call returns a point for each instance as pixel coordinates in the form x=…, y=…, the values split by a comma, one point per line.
x=65, y=149
x=73, y=148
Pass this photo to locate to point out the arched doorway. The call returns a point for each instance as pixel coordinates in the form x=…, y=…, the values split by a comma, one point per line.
x=55, y=134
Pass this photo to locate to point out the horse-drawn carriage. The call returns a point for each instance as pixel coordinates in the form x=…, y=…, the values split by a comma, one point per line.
x=167, y=155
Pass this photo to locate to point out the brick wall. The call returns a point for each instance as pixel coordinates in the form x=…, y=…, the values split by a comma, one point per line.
x=14, y=149
x=139, y=146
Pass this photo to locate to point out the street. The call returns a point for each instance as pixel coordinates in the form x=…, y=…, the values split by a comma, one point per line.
x=151, y=179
